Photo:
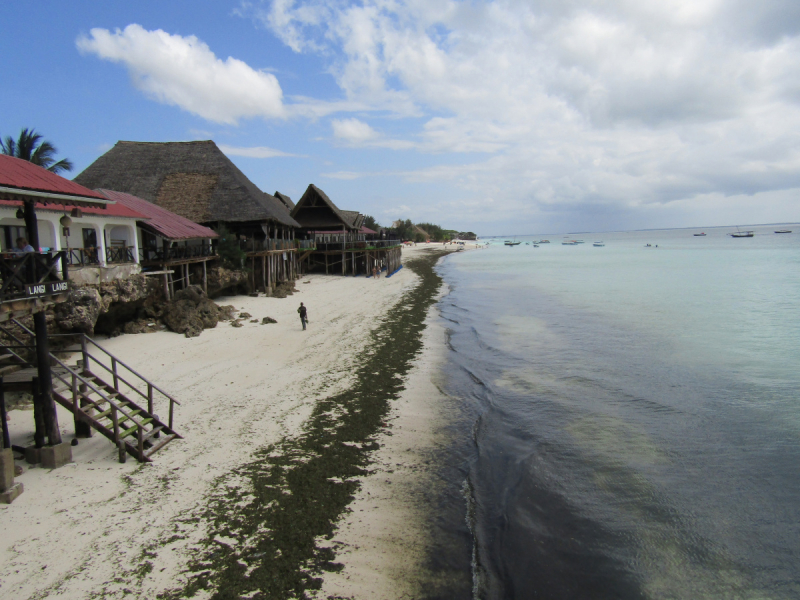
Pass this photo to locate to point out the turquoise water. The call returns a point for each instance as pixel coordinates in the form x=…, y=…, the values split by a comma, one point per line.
x=631, y=414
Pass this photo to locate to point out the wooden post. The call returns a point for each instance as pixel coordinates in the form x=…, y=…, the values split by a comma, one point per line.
x=82, y=428
x=6, y=436
x=205, y=278
x=38, y=420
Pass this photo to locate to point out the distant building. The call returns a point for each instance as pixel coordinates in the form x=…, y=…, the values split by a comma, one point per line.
x=341, y=242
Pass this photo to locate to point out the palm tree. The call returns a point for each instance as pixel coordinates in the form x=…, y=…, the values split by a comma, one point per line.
x=31, y=147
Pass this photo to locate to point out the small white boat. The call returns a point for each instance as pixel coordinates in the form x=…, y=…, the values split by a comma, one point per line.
x=784, y=231
x=598, y=244
x=569, y=243
x=543, y=242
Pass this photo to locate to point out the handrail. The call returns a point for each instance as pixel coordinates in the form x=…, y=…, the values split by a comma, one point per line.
x=117, y=377
x=114, y=358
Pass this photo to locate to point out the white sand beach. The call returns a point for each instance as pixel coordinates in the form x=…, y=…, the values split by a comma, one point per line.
x=83, y=530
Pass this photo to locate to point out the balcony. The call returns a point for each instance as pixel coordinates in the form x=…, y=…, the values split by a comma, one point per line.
x=360, y=245
x=254, y=245
x=32, y=275
x=90, y=257
x=151, y=255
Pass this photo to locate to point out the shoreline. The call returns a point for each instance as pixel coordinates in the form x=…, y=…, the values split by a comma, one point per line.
x=144, y=523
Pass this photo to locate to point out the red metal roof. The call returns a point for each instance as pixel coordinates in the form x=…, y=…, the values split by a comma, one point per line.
x=24, y=175
x=109, y=210
x=166, y=223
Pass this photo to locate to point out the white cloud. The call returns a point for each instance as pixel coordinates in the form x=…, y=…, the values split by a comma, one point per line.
x=184, y=72
x=253, y=152
x=345, y=175
x=581, y=106
x=354, y=132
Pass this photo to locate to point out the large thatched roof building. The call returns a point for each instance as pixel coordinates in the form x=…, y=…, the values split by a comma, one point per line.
x=192, y=179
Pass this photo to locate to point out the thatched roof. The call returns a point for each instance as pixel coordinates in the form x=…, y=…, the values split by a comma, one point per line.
x=192, y=179
x=355, y=218
x=286, y=200
x=317, y=212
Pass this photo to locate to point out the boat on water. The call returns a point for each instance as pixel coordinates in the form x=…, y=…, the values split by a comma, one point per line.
x=741, y=234
x=701, y=234
x=784, y=231
x=543, y=242
x=508, y=243
x=598, y=244
x=578, y=241
x=569, y=243
x=536, y=245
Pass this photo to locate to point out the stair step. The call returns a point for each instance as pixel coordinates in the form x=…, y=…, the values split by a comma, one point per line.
x=153, y=431
x=107, y=412
x=9, y=369
x=130, y=430
x=163, y=442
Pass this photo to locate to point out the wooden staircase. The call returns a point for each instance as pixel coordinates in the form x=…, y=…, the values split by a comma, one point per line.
x=103, y=407
x=107, y=404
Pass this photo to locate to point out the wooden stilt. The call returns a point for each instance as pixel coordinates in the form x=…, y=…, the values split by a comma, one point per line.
x=205, y=278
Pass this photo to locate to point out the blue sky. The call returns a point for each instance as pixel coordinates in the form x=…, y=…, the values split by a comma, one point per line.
x=505, y=117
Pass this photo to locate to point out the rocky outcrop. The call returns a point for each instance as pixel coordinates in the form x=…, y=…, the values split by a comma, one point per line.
x=79, y=313
x=222, y=281
x=111, y=304
x=190, y=312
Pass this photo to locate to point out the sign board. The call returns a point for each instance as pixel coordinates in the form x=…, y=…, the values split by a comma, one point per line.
x=47, y=289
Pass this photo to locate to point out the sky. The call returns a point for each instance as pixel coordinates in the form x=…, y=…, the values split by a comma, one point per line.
x=498, y=117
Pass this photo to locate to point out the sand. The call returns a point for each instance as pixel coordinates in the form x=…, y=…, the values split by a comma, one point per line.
x=85, y=530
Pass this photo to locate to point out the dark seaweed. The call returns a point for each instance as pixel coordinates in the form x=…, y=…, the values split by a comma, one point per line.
x=300, y=487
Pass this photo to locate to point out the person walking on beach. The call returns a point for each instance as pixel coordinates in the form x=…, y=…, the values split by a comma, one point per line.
x=303, y=315
x=374, y=272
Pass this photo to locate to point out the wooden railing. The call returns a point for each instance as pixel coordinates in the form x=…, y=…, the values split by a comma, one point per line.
x=17, y=272
x=119, y=254
x=115, y=370
x=82, y=256
x=177, y=253
x=362, y=245
x=254, y=245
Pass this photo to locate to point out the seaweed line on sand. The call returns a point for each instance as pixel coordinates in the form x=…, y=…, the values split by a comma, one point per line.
x=262, y=529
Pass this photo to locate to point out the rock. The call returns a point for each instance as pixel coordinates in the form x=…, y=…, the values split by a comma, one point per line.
x=284, y=289
x=226, y=312
x=236, y=324
x=222, y=280
x=245, y=315
x=267, y=320
x=190, y=312
x=18, y=471
x=79, y=313
x=254, y=295
x=254, y=320
x=141, y=326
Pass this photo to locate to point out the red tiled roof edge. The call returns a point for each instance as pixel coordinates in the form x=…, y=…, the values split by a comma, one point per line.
x=166, y=223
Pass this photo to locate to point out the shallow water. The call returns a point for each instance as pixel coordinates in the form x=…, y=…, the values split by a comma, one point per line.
x=630, y=415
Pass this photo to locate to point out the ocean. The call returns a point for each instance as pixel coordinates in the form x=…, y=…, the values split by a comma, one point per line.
x=627, y=419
